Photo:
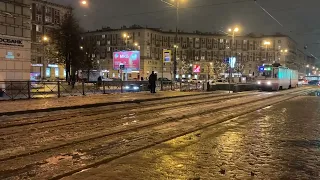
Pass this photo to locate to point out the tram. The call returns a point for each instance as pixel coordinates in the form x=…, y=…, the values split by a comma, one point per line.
x=275, y=77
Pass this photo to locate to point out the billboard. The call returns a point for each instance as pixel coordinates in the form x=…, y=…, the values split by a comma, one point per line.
x=166, y=56
x=130, y=60
x=196, y=68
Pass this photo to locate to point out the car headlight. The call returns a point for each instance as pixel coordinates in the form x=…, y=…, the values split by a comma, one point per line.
x=135, y=88
x=126, y=87
x=259, y=82
x=269, y=83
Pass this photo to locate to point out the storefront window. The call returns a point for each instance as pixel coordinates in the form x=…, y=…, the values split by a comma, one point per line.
x=56, y=72
x=48, y=72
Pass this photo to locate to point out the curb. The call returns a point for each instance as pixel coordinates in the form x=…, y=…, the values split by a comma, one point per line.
x=94, y=105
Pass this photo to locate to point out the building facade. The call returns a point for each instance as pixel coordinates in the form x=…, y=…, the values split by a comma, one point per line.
x=15, y=40
x=204, y=49
x=45, y=17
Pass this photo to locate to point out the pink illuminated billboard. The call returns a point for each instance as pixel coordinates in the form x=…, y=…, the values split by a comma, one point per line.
x=196, y=68
x=130, y=60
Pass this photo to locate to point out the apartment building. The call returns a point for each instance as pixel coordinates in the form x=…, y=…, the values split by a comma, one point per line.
x=204, y=49
x=15, y=40
x=45, y=17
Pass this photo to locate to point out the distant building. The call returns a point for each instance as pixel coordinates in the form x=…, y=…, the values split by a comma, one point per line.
x=15, y=40
x=204, y=49
x=45, y=17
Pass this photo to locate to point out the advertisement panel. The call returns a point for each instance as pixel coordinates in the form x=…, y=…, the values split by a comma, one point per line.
x=166, y=56
x=130, y=60
x=196, y=68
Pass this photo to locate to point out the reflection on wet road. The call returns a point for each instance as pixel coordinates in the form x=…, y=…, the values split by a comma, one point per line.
x=278, y=142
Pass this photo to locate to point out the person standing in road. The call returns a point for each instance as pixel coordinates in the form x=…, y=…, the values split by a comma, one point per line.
x=152, y=82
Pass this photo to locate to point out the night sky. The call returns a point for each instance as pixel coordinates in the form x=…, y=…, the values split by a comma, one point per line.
x=300, y=18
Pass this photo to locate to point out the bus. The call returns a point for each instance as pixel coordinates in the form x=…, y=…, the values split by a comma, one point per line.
x=275, y=77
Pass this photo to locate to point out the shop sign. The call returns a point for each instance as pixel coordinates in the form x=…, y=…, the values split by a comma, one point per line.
x=53, y=65
x=11, y=42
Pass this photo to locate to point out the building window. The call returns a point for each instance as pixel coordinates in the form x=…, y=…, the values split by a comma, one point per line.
x=57, y=20
x=38, y=18
x=38, y=28
x=38, y=8
x=138, y=33
x=48, y=10
x=18, y=10
x=56, y=12
x=48, y=19
x=103, y=36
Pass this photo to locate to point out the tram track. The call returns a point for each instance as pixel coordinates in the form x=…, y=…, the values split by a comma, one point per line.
x=57, y=116
x=119, y=128
x=139, y=128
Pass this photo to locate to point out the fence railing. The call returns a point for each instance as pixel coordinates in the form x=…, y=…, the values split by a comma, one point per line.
x=11, y=90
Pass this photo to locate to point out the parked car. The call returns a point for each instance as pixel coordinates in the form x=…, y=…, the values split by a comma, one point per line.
x=195, y=81
x=164, y=80
x=212, y=82
x=314, y=82
x=302, y=82
x=221, y=81
x=132, y=88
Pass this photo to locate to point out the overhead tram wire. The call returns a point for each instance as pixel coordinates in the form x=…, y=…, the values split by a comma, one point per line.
x=267, y=12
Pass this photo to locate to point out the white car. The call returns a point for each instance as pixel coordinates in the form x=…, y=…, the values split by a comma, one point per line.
x=195, y=81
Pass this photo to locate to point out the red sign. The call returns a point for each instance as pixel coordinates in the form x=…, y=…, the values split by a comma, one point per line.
x=130, y=60
x=196, y=68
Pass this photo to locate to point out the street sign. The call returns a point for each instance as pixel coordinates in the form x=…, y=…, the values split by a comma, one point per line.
x=166, y=56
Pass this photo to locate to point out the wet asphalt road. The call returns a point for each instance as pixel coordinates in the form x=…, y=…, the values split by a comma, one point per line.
x=281, y=141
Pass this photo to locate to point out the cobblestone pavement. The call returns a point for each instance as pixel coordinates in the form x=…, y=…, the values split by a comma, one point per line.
x=277, y=142
x=35, y=104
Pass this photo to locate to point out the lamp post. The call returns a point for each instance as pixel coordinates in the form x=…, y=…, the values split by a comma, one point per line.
x=284, y=52
x=176, y=4
x=45, y=39
x=126, y=36
x=232, y=48
x=267, y=43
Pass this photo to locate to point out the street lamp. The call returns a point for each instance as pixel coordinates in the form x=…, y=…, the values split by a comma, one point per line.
x=284, y=52
x=81, y=47
x=84, y=2
x=176, y=4
x=236, y=29
x=266, y=43
x=45, y=39
x=126, y=36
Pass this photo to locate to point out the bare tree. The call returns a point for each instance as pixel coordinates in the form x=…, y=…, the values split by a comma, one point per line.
x=67, y=41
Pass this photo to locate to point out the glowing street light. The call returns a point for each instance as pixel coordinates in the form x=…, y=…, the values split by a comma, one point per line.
x=45, y=38
x=313, y=67
x=307, y=65
x=81, y=47
x=84, y=2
